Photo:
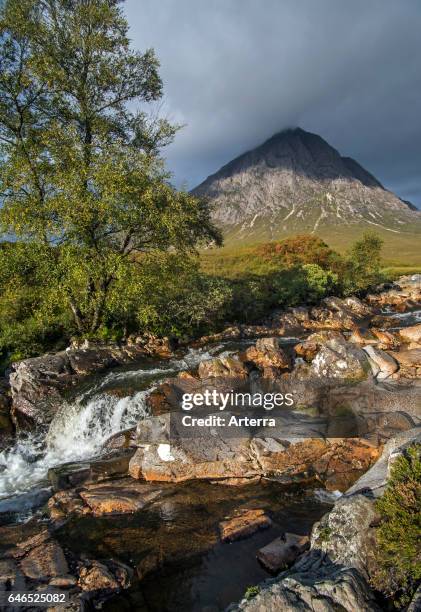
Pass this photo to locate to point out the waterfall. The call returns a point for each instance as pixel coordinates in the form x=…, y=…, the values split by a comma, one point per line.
x=79, y=429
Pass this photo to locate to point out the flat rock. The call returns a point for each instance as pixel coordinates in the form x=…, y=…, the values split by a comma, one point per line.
x=411, y=334
x=244, y=523
x=282, y=551
x=410, y=358
x=119, y=496
x=45, y=562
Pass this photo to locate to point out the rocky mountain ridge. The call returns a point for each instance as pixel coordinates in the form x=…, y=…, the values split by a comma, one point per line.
x=296, y=182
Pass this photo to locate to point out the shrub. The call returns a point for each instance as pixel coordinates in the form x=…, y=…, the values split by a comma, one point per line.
x=251, y=592
x=398, y=537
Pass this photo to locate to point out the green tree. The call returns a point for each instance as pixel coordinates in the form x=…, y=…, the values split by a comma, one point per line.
x=398, y=537
x=363, y=268
x=81, y=177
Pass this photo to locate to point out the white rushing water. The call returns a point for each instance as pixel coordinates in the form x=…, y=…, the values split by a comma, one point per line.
x=79, y=430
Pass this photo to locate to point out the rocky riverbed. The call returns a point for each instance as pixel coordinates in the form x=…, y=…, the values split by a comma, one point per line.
x=98, y=498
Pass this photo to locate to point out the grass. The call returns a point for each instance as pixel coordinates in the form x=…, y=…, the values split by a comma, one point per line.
x=401, y=255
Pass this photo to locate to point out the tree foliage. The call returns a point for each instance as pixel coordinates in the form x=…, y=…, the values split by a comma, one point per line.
x=399, y=535
x=81, y=178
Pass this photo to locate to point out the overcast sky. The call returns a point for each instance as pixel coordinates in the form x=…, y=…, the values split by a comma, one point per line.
x=237, y=71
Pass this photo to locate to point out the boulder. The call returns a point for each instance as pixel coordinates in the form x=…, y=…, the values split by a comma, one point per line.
x=37, y=383
x=199, y=458
x=335, y=313
x=411, y=334
x=335, y=573
x=122, y=440
x=222, y=367
x=243, y=523
x=283, y=551
x=382, y=364
x=106, y=575
x=338, y=358
x=316, y=584
x=212, y=457
x=346, y=534
x=309, y=348
x=268, y=353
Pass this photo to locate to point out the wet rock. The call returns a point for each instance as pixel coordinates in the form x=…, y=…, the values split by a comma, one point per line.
x=244, y=523
x=65, y=503
x=112, y=466
x=119, y=496
x=10, y=576
x=6, y=424
x=384, y=322
x=63, y=582
x=340, y=359
x=149, y=563
x=382, y=364
x=97, y=576
x=268, y=353
x=238, y=332
x=222, y=367
x=282, y=551
x=45, y=562
x=122, y=440
x=69, y=475
x=161, y=400
x=37, y=383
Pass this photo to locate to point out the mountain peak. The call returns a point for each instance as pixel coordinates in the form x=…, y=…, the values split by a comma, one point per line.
x=296, y=181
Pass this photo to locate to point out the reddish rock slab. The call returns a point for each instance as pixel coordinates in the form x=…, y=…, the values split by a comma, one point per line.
x=119, y=497
x=244, y=523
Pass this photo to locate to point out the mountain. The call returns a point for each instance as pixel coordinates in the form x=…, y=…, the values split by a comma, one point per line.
x=296, y=182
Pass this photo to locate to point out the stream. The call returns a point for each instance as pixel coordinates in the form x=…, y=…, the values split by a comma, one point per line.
x=200, y=572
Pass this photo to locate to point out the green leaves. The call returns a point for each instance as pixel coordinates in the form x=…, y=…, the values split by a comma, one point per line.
x=81, y=171
x=399, y=536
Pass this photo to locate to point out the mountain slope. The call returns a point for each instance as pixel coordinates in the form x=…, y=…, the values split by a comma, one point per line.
x=296, y=182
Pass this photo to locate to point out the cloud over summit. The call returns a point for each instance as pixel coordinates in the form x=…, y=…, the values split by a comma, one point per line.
x=236, y=72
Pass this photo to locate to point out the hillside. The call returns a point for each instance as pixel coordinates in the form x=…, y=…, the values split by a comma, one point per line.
x=297, y=183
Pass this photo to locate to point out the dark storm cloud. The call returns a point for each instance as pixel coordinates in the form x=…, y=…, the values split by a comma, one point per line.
x=237, y=71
